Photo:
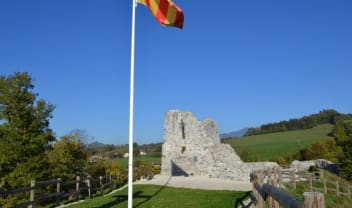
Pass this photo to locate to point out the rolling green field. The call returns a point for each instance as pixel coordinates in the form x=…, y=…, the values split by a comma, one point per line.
x=271, y=146
x=150, y=196
x=123, y=162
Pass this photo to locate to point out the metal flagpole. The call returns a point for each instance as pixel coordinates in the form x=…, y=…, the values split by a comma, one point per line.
x=130, y=154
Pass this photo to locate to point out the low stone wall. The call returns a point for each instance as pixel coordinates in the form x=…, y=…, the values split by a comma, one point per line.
x=256, y=166
x=320, y=163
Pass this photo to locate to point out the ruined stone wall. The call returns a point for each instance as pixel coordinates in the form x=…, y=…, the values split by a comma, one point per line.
x=192, y=147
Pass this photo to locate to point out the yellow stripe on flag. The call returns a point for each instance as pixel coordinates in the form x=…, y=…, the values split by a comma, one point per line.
x=154, y=6
x=171, y=16
x=142, y=2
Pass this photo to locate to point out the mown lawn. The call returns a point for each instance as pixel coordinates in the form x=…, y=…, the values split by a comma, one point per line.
x=270, y=146
x=150, y=196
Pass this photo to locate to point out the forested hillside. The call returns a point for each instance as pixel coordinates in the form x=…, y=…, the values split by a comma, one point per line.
x=323, y=117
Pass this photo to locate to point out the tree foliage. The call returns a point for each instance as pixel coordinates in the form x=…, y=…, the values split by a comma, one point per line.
x=320, y=150
x=338, y=149
x=306, y=122
x=344, y=140
x=67, y=157
x=25, y=134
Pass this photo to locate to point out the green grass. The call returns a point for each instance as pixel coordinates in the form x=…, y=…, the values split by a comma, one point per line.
x=123, y=162
x=271, y=146
x=150, y=196
x=331, y=199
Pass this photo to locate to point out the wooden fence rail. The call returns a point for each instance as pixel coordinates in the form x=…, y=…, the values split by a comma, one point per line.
x=76, y=188
x=265, y=187
x=316, y=182
x=270, y=193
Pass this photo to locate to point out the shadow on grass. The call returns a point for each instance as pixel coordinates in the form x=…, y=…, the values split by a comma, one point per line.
x=137, y=195
x=154, y=195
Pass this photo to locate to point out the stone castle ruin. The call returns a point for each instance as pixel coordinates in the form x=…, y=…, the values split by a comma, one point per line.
x=193, y=147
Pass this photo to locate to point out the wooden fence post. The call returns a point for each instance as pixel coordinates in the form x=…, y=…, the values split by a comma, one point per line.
x=89, y=186
x=280, y=175
x=310, y=182
x=58, y=189
x=32, y=193
x=258, y=179
x=78, y=179
x=110, y=181
x=261, y=202
x=273, y=203
x=314, y=200
x=321, y=175
x=325, y=188
x=349, y=191
x=101, y=184
x=293, y=179
x=337, y=188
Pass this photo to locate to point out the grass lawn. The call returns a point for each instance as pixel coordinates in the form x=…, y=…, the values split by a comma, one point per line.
x=331, y=200
x=165, y=197
x=270, y=146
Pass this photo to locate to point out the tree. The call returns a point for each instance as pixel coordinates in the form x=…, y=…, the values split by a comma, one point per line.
x=344, y=139
x=67, y=158
x=25, y=134
x=135, y=149
x=81, y=135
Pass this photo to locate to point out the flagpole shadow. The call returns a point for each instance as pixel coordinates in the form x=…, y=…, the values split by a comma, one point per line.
x=154, y=195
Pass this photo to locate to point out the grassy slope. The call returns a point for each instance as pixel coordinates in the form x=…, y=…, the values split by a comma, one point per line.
x=165, y=197
x=270, y=146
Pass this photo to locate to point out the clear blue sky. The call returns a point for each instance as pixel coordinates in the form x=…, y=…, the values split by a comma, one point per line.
x=242, y=63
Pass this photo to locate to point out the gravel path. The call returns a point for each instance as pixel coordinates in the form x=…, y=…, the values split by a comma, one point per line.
x=198, y=182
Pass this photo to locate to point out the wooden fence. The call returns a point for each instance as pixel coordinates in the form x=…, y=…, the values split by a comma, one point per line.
x=315, y=182
x=71, y=190
x=266, y=191
x=266, y=183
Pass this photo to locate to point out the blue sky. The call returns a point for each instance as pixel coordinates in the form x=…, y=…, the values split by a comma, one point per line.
x=242, y=63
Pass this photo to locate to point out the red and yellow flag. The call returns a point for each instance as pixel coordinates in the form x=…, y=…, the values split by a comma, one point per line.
x=165, y=11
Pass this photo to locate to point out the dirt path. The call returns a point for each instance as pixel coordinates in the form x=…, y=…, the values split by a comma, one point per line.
x=198, y=182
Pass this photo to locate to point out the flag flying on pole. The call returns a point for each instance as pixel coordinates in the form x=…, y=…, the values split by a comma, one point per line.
x=165, y=11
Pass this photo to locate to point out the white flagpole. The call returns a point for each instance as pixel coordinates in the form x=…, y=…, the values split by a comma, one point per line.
x=130, y=154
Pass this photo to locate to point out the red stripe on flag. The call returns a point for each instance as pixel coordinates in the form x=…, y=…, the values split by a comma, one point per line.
x=162, y=11
x=179, y=18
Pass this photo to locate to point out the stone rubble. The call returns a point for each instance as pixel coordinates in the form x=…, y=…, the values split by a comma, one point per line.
x=320, y=163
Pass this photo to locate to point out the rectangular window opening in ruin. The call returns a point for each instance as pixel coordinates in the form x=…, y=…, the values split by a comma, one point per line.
x=183, y=129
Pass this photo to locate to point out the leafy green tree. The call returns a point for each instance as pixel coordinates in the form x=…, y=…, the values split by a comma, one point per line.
x=344, y=140
x=96, y=169
x=67, y=158
x=135, y=149
x=25, y=134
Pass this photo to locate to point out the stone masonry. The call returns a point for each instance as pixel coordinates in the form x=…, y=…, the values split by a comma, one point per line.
x=192, y=147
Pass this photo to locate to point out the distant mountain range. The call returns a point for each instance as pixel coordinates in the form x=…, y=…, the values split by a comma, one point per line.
x=234, y=134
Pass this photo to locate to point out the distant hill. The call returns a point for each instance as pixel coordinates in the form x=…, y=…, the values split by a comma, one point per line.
x=96, y=144
x=306, y=122
x=234, y=134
